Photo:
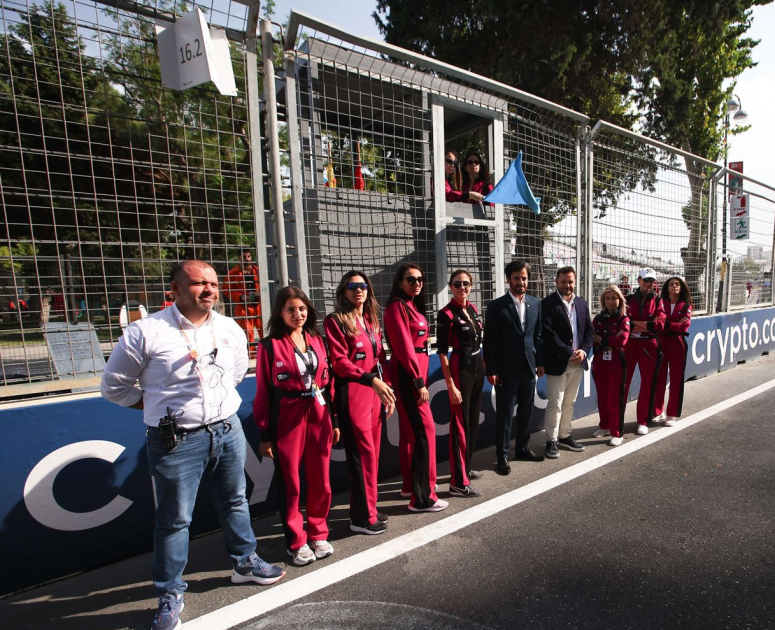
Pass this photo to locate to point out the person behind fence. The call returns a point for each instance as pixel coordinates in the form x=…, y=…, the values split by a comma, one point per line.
x=476, y=179
x=458, y=327
x=188, y=360
x=407, y=333
x=677, y=302
x=609, y=365
x=244, y=290
x=513, y=356
x=453, y=182
x=293, y=410
x=362, y=398
x=566, y=328
x=647, y=319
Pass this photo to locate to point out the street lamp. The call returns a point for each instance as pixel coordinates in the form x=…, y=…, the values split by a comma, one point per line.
x=734, y=108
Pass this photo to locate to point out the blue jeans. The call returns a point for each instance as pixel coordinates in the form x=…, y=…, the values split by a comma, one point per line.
x=217, y=453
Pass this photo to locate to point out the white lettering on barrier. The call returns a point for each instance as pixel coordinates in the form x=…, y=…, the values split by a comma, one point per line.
x=260, y=473
x=734, y=342
x=753, y=340
x=722, y=343
x=39, y=488
x=765, y=329
x=698, y=339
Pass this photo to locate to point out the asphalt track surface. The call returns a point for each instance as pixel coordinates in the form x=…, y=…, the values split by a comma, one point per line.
x=671, y=530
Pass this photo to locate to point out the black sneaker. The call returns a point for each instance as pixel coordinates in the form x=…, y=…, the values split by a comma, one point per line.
x=381, y=516
x=552, y=450
x=466, y=491
x=378, y=527
x=475, y=474
x=571, y=444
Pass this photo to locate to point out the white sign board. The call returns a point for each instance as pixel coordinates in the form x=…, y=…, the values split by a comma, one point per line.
x=191, y=53
x=74, y=348
x=739, y=217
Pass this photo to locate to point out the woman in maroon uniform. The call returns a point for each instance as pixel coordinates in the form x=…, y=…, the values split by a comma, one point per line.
x=407, y=333
x=647, y=319
x=458, y=327
x=293, y=412
x=452, y=178
x=476, y=179
x=677, y=303
x=609, y=367
x=362, y=396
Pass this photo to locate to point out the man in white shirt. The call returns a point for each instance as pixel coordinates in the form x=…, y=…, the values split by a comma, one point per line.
x=188, y=360
x=567, y=336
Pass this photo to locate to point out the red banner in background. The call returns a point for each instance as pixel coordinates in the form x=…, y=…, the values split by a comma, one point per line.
x=735, y=183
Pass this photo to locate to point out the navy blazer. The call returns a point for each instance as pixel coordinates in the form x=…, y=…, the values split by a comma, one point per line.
x=505, y=340
x=558, y=335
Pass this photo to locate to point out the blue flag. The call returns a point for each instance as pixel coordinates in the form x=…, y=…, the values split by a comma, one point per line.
x=514, y=189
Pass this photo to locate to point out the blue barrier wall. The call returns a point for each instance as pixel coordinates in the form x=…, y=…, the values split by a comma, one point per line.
x=76, y=488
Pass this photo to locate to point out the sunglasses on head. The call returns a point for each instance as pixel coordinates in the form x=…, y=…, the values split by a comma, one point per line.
x=473, y=162
x=461, y=283
x=354, y=286
x=413, y=280
x=451, y=162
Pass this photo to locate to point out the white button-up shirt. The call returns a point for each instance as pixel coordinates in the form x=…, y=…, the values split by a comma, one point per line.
x=570, y=307
x=519, y=302
x=158, y=353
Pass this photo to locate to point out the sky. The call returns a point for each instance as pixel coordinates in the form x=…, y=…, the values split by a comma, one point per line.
x=756, y=87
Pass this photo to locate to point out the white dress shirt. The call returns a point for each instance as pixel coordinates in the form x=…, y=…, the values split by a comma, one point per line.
x=193, y=371
x=519, y=302
x=571, y=309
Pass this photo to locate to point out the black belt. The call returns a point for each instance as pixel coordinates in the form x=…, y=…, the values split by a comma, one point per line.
x=466, y=353
x=208, y=426
x=421, y=350
x=306, y=393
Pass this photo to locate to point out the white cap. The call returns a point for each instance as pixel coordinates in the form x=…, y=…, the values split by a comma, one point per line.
x=647, y=272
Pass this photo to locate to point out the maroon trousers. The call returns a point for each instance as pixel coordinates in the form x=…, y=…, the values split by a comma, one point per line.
x=645, y=353
x=674, y=348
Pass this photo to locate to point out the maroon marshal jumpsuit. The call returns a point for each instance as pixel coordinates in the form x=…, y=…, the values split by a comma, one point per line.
x=609, y=369
x=407, y=333
x=643, y=350
x=675, y=348
x=356, y=362
x=298, y=423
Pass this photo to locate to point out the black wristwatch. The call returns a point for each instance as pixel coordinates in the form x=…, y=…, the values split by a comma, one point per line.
x=419, y=383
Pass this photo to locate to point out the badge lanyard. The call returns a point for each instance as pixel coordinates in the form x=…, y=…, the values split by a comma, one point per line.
x=194, y=352
x=311, y=370
x=373, y=338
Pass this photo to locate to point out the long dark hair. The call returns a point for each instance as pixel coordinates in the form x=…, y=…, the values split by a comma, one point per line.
x=454, y=178
x=685, y=295
x=397, y=293
x=276, y=326
x=484, y=173
x=344, y=309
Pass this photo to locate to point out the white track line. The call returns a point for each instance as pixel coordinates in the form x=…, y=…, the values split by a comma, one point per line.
x=293, y=590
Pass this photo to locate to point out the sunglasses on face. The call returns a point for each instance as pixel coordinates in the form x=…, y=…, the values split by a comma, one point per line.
x=473, y=163
x=648, y=280
x=413, y=280
x=451, y=162
x=354, y=286
x=461, y=283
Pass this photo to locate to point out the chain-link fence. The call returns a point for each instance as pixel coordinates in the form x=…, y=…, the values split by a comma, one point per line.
x=107, y=177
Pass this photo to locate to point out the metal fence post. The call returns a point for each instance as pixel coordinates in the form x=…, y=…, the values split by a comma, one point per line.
x=585, y=175
x=273, y=139
x=439, y=204
x=256, y=168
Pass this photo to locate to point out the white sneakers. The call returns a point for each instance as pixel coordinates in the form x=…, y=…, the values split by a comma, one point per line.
x=642, y=429
x=322, y=548
x=671, y=420
x=405, y=495
x=615, y=441
x=302, y=556
x=436, y=507
x=601, y=433
x=660, y=418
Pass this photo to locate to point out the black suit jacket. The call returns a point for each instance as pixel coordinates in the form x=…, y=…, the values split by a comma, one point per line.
x=558, y=335
x=505, y=341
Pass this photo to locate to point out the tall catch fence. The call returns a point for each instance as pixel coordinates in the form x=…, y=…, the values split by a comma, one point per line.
x=107, y=178
x=747, y=243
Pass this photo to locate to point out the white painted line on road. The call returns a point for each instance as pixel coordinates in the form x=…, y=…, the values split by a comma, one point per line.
x=286, y=593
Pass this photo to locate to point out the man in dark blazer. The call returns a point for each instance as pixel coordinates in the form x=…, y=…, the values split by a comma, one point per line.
x=567, y=335
x=513, y=356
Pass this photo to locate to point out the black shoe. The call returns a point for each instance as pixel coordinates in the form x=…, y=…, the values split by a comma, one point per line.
x=528, y=456
x=503, y=467
x=474, y=474
x=466, y=491
x=552, y=450
x=382, y=517
x=378, y=527
x=571, y=444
